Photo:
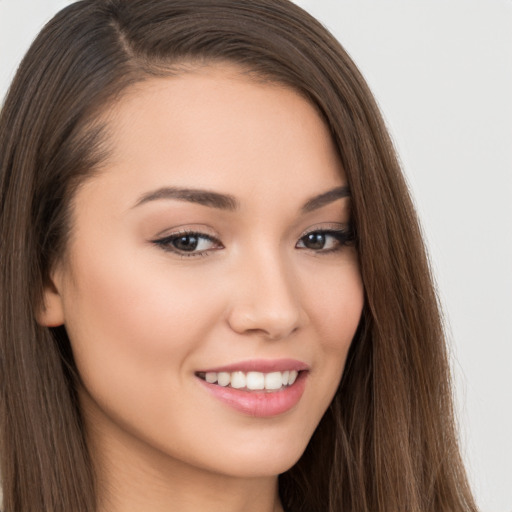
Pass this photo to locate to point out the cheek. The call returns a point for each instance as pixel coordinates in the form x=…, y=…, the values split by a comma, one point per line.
x=133, y=327
x=334, y=313
x=128, y=315
x=335, y=309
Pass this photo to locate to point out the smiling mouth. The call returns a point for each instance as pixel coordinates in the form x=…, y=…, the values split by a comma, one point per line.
x=251, y=381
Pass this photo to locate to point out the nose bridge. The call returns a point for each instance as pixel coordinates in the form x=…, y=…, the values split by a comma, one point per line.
x=266, y=300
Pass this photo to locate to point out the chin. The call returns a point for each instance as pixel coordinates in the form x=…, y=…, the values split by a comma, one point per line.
x=268, y=460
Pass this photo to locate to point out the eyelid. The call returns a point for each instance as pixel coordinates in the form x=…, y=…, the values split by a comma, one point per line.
x=164, y=241
x=329, y=226
x=342, y=231
x=187, y=229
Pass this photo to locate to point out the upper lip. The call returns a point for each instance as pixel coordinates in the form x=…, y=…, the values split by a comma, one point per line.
x=260, y=365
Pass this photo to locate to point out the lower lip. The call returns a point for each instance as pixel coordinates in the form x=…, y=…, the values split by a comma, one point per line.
x=261, y=404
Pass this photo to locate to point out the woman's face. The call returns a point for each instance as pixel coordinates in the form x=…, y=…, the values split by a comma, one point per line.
x=210, y=257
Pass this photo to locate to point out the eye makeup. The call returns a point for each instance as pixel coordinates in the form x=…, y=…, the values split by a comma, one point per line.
x=189, y=243
x=194, y=243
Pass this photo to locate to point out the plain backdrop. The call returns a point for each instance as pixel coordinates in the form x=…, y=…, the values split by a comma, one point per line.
x=441, y=71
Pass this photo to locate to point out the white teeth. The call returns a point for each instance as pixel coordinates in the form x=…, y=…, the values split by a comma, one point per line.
x=252, y=380
x=210, y=377
x=273, y=380
x=223, y=378
x=238, y=380
x=255, y=380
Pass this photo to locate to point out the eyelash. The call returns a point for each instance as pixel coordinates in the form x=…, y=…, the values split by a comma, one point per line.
x=343, y=237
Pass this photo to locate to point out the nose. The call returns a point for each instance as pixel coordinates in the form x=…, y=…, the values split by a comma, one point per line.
x=266, y=300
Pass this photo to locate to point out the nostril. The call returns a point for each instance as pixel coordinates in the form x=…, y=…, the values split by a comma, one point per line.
x=264, y=322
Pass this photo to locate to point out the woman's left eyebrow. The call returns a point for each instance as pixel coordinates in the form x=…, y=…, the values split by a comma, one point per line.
x=228, y=202
x=326, y=198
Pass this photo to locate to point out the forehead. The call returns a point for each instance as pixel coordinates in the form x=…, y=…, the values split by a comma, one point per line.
x=217, y=127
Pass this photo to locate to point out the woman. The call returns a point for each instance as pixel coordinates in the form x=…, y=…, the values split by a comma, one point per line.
x=214, y=288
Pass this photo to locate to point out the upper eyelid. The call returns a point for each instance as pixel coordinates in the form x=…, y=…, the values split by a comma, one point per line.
x=347, y=232
x=205, y=231
x=334, y=227
x=328, y=227
x=192, y=230
x=162, y=241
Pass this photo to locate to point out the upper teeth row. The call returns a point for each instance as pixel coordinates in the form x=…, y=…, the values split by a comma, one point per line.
x=252, y=380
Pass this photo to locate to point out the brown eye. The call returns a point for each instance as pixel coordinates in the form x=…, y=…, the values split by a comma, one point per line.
x=189, y=244
x=325, y=241
x=314, y=241
x=186, y=243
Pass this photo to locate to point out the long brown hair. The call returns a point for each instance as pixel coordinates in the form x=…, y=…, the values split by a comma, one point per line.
x=387, y=442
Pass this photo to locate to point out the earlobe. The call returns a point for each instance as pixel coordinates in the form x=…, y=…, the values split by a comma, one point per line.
x=51, y=311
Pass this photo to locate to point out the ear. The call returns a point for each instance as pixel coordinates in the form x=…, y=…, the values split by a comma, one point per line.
x=51, y=312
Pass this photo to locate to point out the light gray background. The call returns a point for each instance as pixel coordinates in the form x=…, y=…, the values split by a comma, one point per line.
x=442, y=73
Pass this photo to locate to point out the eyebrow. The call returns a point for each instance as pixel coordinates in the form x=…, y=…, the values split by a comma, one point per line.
x=326, y=198
x=229, y=202
x=204, y=197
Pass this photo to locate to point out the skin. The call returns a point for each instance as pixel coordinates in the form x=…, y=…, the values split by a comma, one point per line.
x=142, y=319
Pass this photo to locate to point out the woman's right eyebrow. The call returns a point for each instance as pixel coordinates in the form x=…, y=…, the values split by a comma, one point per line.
x=198, y=196
x=229, y=202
